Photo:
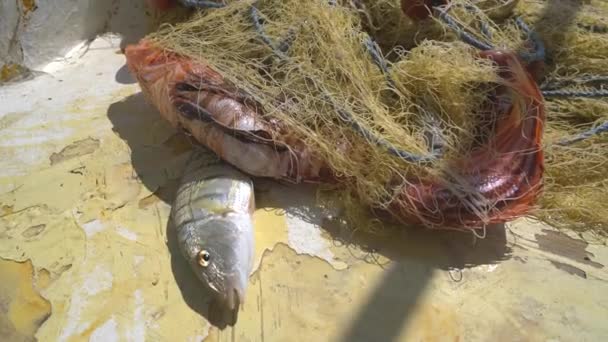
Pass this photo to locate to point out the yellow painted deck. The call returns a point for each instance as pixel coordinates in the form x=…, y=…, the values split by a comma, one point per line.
x=87, y=174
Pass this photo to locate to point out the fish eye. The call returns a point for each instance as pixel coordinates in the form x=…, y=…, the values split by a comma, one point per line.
x=203, y=258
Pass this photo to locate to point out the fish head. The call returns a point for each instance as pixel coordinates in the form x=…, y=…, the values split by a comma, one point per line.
x=220, y=252
x=157, y=70
x=149, y=63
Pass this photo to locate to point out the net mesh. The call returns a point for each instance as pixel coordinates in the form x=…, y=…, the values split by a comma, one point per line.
x=308, y=63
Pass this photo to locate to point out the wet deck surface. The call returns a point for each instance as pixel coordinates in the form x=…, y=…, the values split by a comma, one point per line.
x=87, y=176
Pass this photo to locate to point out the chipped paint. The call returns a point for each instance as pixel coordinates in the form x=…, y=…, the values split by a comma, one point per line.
x=486, y=268
x=270, y=228
x=22, y=309
x=136, y=332
x=97, y=281
x=28, y=6
x=197, y=338
x=305, y=238
x=12, y=72
x=566, y=246
x=137, y=260
x=33, y=231
x=74, y=150
x=92, y=228
x=127, y=234
x=107, y=332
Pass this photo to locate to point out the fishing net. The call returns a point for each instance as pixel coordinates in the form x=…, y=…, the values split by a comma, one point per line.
x=576, y=38
x=379, y=95
x=329, y=80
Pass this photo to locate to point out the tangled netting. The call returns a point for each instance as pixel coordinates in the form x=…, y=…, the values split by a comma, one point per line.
x=576, y=39
x=406, y=96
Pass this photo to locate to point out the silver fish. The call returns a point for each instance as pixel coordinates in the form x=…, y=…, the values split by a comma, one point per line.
x=213, y=217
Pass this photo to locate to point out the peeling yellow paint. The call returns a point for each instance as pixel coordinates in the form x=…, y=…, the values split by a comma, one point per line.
x=22, y=309
x=270, y=229
x=6, y=210
x=76, y=149
x=43, y=280
x=10, y=118
x=28, y=6
x=119, y=185
x=10, y=71
x=297, y=295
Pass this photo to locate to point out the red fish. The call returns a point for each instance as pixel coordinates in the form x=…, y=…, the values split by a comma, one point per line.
x=195, y=98
x=496, y=182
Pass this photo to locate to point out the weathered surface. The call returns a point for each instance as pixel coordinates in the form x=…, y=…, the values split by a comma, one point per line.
x=36, y=32
x=94, y=226
x=22, y=309
x=9, y=50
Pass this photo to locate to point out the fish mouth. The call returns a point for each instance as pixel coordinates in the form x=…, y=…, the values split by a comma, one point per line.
x=224, y=309
x=234, y=298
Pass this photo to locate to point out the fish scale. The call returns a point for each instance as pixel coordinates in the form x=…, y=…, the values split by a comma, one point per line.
x=210, y=188
x=213, y=219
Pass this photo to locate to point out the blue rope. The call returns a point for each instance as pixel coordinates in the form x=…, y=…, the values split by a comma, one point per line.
x=483, y=26
x=593, y=28
x=374, y=51
x=259, y=27
x=603, y=128
x=466, y=37
x=586, y=93
x=434, y=138
x=286, y=43
x=407, y=156
x=539, y=53
x=376, y=54
x=203, y=4
x=580, y=80
x=342, y=113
